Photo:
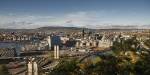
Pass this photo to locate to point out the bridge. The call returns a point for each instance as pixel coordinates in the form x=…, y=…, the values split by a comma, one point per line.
x=100, y=53
x=51, y=66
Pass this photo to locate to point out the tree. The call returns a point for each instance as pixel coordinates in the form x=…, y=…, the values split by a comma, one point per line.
x=147, y=43
x=66, y=67
x=4, y=70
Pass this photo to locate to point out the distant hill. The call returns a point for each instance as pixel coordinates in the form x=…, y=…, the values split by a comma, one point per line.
x=15, y=30
x=44, y=29
x=74, y=29
x=50, y=28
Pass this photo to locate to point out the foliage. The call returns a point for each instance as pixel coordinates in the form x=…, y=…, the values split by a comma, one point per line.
x=125, y=45
x=147, y=43
x=4, y=70
x=65, y=68
x=142, y=67
x=111, y=64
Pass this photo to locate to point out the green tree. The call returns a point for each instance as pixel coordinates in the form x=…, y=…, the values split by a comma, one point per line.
x=147, y=43
x=65, y=68
x=4, y=70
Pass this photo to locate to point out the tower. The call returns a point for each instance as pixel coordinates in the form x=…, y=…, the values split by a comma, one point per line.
x=49, y=42
x=29, y=68
x=56, y=51
x=32, y=68
x=35, y=68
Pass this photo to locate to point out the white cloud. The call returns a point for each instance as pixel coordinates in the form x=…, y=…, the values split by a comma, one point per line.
x=76, y=19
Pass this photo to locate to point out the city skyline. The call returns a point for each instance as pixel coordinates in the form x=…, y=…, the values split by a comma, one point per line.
x=73, y=13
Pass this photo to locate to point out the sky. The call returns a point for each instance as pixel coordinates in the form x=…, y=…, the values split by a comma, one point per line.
x=73, y=13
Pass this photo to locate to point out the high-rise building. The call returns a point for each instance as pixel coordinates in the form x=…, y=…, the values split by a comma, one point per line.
x=55, y=40
x=32, y=68
x=49, y=42
x=56, y=51
x=35, y=68
x=29, y=68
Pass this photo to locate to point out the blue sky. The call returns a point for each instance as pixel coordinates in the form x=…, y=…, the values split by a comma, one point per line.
x=78, y=13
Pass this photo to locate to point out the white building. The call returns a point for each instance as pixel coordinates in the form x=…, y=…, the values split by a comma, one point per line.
x=29, y=72
x=56, y=52
x=49, y=42
x=32, y=68
x=105, y=42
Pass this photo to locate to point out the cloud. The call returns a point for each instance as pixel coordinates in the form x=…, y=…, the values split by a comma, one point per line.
x=23, y=21
x=93, y=19
x=33, y=21
x=82, y=19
